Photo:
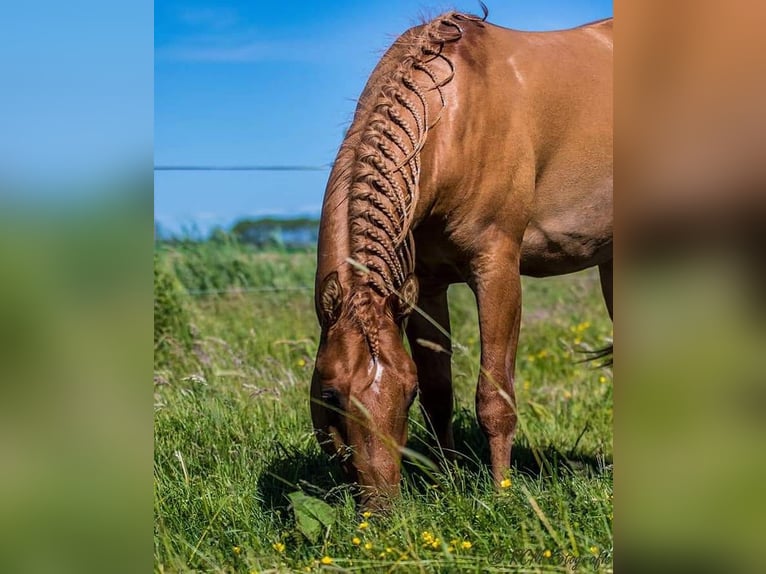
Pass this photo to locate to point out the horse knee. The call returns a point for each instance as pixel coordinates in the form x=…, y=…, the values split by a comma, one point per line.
x=496, y=410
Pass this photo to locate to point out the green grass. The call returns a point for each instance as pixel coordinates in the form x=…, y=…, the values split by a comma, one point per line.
x=233, y=438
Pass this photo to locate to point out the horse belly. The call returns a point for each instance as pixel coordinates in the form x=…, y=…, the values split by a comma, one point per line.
x=550, y=248
x=570, y=226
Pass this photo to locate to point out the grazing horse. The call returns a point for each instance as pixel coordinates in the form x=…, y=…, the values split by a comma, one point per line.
x=476, y=154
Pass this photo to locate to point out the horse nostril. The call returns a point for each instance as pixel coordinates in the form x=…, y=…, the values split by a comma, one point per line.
x=345, y=453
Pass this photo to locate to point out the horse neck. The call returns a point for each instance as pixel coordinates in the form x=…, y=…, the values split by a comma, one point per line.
x=373, y=193
x=374, y=190
x=403, y=100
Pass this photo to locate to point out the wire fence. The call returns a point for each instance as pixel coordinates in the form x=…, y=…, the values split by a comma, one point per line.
x=244, y=290
x=324, y=167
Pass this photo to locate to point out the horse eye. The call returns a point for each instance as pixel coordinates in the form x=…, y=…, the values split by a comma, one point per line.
x=331, y=398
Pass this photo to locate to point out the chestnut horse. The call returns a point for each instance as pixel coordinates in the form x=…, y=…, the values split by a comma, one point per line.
x=476, y=154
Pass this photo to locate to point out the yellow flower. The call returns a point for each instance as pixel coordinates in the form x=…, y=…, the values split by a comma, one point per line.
x=301, y=362
x=237, y=550
x=567, y=395
x=465, y=545
x=382, y=555
x=366, y=514
x=450, y=548
x=547, y=553
x=542, y=354
x=593, y=550
x=278, y=546
x=602, y=379
x=368, y=545
x=364, y=525
x=427, y=536
x=578, y=340
x=356, y=541
x=326, y=560
x=505, y=483
x=389, y=550
x=580, y=327
x=435, y=543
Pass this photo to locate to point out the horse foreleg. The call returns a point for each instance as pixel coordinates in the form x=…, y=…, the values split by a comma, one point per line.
x=497, y=284
x=431, y=351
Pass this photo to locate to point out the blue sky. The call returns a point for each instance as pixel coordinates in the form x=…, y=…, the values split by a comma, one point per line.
x=75, y=92
x=274, y=83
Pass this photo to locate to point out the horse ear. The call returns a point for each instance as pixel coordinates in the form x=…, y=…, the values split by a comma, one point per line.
x=406, y=299
x=330, y=299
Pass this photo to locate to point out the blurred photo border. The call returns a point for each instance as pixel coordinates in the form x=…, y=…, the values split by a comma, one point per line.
x=76, y=243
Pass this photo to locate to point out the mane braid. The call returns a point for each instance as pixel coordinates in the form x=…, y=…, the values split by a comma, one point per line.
x=385, y=172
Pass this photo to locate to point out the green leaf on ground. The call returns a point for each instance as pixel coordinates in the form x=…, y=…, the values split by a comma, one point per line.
x=312, y=515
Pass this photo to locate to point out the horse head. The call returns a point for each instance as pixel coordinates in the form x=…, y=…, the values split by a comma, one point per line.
x=364, y=383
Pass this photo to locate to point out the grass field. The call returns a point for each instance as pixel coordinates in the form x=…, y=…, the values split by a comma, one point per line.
x=233, y=434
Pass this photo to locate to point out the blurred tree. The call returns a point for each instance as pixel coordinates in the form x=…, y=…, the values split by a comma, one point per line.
x=273, y=232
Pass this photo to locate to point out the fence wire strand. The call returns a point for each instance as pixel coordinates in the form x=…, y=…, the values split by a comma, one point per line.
x=241, y=290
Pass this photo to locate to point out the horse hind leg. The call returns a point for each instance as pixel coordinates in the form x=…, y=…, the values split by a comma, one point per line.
x=431, y=351
x=605, y=274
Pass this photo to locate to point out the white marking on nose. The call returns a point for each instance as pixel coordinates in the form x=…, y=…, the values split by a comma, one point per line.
x=516, y=71
x=378, y=376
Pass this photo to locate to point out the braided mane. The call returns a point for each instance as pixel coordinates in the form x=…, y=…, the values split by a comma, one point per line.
x=385, y=172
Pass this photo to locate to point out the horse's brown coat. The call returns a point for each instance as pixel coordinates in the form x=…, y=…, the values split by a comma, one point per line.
x=476, y=153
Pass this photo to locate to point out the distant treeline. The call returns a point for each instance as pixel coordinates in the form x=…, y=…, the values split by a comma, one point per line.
x=267, y=232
